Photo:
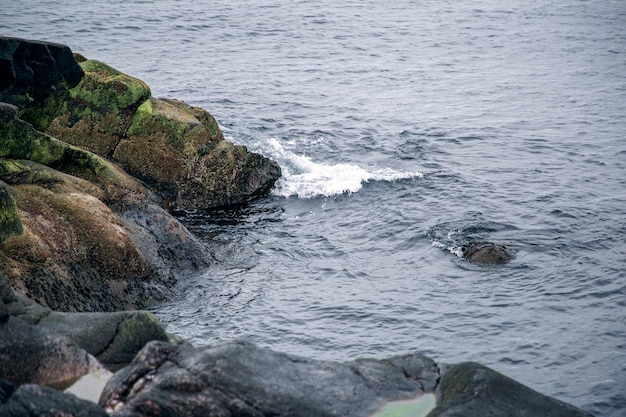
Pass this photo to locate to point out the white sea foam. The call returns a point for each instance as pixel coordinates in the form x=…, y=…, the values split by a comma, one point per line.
x=305, y=178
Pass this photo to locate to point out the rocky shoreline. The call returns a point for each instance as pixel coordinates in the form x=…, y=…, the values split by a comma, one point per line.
x=91, y=167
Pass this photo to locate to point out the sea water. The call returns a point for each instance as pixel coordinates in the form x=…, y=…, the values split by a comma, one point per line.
x=404, y=130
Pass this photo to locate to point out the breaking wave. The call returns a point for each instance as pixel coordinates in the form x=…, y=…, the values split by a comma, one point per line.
x=305, y=178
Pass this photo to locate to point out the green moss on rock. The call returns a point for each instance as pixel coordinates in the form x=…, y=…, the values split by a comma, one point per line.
x=20, y=141
x=99, y=109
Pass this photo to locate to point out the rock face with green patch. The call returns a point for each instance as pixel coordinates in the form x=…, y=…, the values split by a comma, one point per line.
x=179, y=150
x=36, y=77
x=91, y=237
x=113, y=338
x=99, y=109
x=175, y=148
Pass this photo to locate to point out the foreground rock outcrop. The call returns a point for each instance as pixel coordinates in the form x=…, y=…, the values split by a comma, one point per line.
x=46, y=347
x=238, y=378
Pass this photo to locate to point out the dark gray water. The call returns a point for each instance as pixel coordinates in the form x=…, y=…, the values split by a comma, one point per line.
x=403, y=131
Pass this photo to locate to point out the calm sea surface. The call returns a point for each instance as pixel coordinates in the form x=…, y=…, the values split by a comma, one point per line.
x=404, y=129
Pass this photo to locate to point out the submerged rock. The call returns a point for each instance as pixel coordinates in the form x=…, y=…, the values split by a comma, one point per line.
x=486, y=253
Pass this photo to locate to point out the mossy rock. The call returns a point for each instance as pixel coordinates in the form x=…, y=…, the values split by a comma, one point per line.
x=99, y=109
x=10, y=223
x=179, y=151
x=20, y=141
x=74, y=253
x=163, y=144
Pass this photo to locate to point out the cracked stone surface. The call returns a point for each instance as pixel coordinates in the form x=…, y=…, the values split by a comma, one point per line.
x=238, y=378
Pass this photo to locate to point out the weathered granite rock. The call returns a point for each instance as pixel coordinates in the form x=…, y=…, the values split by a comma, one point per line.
x=238, y=378
x=175, y=148
x=473, y=390
x=36, y=76
x=113, y=338
x=487, y=253
x=38, y=345
x=34, y=400
x=77, y=251
x=29, y=354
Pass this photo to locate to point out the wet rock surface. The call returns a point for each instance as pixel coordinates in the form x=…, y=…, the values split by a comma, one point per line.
x=36, y=76
x=473, y=390
x=487, y=253
x=238, y=378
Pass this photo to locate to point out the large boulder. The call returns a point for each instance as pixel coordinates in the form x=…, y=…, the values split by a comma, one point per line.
x=78, y=251
x=36, y=77
x=34, y=400
x=175, y=148
x=238, y=378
